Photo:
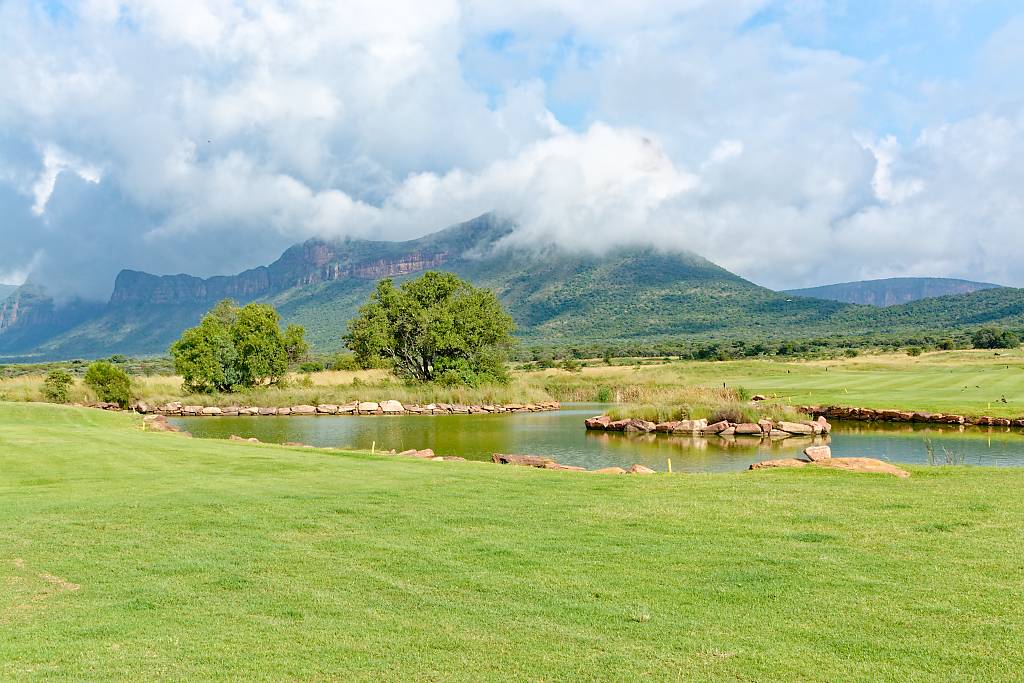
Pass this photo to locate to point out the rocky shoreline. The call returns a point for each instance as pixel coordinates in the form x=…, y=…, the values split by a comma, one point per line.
x=764, y=428
x=877, y=415
x=390, y=407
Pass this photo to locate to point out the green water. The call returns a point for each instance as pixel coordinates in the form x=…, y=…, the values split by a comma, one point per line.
x=561, y=435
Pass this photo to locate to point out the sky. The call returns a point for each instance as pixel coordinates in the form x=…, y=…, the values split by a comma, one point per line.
x=795, y=142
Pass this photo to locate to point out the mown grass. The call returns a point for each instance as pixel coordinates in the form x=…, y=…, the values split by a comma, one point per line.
x=133, y=556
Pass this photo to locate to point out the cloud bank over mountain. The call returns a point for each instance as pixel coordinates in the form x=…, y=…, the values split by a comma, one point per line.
x=205, y=136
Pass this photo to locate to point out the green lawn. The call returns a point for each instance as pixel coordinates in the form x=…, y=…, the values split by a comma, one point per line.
x=217, y=560
x=968, y=382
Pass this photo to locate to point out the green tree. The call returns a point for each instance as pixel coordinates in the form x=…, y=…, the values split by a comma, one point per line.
x=110, y=383
x=994, y=338
x=235, y=347
x=435, y=328
x=295, y=343
x=57, y=385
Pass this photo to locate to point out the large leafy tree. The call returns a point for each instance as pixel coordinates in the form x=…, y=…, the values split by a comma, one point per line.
x=235, y=347
x=434, y=328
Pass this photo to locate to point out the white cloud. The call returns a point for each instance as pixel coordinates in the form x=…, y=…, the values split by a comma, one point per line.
x=207, y=135
x=55, y=162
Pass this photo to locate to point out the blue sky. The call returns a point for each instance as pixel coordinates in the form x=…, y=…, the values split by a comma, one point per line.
x=883, y=138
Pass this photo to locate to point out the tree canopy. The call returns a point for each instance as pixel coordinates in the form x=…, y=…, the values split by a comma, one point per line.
x=434, y=328
x=235, y=347
x=994, y=338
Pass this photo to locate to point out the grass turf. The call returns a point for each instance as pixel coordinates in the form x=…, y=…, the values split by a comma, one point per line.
x=217, y=560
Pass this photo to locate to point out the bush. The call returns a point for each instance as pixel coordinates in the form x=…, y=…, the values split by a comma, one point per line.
x=914, y=351
x=572, y=365
x=311, y=366
x=57, y=385
x=946, y=344
x=110, y=383
x=994, y=338
x=345, y=361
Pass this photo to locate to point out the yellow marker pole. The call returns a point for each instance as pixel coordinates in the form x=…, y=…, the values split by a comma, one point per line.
x=373, y=447
x=669, y=465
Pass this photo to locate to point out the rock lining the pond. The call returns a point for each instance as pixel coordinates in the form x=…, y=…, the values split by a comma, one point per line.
x=890, y=415
x=388, y=407
x=862, y=465
x=545, y=463
x=724, y=429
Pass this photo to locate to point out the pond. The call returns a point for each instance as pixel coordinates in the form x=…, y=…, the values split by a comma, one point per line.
x=561, y=435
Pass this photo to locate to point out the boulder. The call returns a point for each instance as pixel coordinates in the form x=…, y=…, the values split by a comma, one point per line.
x=866, y=465
x=522, y=460
x=665, y=427
x=796, y=428
x=766, y=426
x=426, y=453
x=268, y=411
x=460, y=410
x=249, y=412
x=212, y=411
x=748, y=428
x=143, y=408
x=617, y=425
x=392, y=407
x=758, y=397
x=284, y=411
x=636, y=425
x=365, y=407
x=326, y=409
x=303, y=410
x=728, y=431
x=566, y=468
x=610, y=470
x=192, y=410
x=779, y=434
x=348, y=408
x=818, y=453
x=717, y=428
x=640, y=469
x=782, y=462
x=599, y=423
x=825, y=426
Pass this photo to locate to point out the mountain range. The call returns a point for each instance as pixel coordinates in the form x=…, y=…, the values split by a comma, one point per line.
x=556, y=297
x=892, y=291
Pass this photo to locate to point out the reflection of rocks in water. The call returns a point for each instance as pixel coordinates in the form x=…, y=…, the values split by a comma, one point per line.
x=689, y=442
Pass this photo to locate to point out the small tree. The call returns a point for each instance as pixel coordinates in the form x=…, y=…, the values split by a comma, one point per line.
x=994, y=338
x=57, y=385
x=295, y=343
x=235, y=347
x=434, y=328
x=110, y=383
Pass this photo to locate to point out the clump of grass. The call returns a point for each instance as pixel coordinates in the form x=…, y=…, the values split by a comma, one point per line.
x=947, y=457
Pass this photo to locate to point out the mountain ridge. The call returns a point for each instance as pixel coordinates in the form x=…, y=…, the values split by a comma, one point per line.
x=555, y=296
x=891, y=291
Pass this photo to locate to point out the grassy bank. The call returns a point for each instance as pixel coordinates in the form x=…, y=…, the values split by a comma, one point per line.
x=966, y=382
x=128, y=555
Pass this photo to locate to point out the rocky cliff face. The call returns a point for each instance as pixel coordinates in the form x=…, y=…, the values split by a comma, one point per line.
x=27, y=306
x=313, y=262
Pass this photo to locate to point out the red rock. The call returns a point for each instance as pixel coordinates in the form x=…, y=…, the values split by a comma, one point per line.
x=640, y=469
x=610, y=470
x=867, y=465
x=825, y=426
x=782, y=462
x=717, y=428
x=522, y=460
x=818, y=453
x=748, y=428
x=600, y=422
x=617, y=425
x=639, y=426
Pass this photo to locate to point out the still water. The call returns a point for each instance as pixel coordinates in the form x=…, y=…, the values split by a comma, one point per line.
x=561, y=435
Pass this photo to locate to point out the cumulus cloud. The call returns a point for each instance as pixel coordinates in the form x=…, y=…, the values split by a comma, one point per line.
x=205, y=136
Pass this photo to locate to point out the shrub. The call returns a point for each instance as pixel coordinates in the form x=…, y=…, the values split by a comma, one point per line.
x=572, y=365
x=110, y=383
x=946, y=344
x=345, y=361
x=57, y=385
x=914, y=351
x=311, y=366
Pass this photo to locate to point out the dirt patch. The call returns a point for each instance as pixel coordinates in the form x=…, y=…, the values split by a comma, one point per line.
x=63, y=584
